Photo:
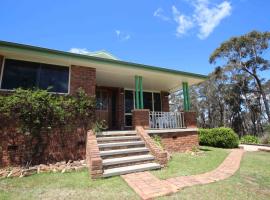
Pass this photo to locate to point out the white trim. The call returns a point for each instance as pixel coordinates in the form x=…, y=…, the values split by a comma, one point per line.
x=11, y=90
x=172, y=130
x=2, y=71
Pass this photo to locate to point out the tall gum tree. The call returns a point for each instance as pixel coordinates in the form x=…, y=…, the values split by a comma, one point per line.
x=245, y=53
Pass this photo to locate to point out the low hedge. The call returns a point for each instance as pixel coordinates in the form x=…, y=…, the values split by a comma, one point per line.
x=249, y=139
x=218, y=137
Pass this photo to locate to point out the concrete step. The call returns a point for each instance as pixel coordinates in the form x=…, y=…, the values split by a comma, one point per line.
x=117, y=138
x=128, y=159
x=130, y=169
x=116, y=133
x=120, y=144
x=123, y=151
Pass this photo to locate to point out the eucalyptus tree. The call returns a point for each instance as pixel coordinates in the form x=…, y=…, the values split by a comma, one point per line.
x=245, y=54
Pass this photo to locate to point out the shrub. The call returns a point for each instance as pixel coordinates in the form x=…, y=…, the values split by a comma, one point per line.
x=249, y=139
x=157, y=140
x=38, y=112
x=218, y=137
x=265, y=139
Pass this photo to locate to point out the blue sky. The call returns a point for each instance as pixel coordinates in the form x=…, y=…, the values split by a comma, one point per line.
x=177, y=34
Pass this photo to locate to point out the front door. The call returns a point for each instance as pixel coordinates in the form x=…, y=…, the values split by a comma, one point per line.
x=106, y=107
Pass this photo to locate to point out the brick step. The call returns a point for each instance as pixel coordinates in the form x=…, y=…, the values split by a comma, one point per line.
x=123, y=151
x=117, y=138
x=120, y=144
x=130, y=169
x=116, y=133
x=128, y=159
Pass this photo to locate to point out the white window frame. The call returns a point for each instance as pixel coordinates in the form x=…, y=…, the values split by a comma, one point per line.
x=11, y=90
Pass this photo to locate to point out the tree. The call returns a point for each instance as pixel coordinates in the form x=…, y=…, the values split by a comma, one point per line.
x=245, y=54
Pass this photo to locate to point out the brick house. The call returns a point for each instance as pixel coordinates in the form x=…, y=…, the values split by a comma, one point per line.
x=129, y=96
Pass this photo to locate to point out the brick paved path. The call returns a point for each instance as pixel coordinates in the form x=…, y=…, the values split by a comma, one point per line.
x=147, y=186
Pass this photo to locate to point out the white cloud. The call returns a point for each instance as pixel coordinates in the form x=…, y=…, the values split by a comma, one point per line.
x=80, y=51
x=159, y=13
x=184, y=22
x=122, y=36
x=205, y=17
x=208, y=18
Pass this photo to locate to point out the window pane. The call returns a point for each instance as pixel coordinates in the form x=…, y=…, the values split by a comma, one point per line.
x=129, y=103
x=101, y=100
x=147, y=100
x=19, y=74
x=54, y=77
x=157, y=102
x=98, y=100
x=128, y=120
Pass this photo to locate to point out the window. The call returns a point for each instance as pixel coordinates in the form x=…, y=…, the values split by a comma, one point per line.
x=30, y=75
x=101, y=100
x=152, y=101
x=157, y=102
x=147, y=101
x=129, y=106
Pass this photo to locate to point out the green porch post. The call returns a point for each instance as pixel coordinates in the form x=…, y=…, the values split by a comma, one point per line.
x=137, y=102
x=186, y=96
x=141, y=92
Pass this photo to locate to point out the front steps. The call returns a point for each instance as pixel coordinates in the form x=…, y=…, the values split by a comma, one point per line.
x=124, y=152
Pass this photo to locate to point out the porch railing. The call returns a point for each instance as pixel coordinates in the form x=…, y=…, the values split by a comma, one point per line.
x=162, y=120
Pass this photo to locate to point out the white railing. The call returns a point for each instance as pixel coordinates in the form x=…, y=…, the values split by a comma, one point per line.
x=161, y=120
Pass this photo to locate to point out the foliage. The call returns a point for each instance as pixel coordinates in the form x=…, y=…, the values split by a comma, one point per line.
x=38, y=112
x=265, y=139
x=218, y=137
x=249, y=139
x=100, y=126
x=235, y=94
x=157, y=140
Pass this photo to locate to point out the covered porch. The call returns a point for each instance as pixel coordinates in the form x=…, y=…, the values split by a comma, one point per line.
x=122, y=94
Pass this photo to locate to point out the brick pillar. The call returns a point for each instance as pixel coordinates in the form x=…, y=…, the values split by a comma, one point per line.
x=165, y=101
x=190, y=119
x=83, y=77
x=140, y=117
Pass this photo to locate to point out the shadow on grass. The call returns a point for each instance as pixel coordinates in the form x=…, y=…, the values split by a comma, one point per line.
x=205, y=149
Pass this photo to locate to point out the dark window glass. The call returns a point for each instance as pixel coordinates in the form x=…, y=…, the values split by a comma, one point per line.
x=101, y=100
x=129, y=101
x=29, y=75
x=147, y=101
x=54, y=77
x=157, y=102
x=19, y=74
x=128, y=120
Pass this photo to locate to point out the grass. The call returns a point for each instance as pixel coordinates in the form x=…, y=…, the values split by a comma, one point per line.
x=74, y=185
x=252, y=181
x=183, y=164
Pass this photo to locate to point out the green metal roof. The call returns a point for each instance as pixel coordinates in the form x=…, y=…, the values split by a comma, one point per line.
x=94, y=58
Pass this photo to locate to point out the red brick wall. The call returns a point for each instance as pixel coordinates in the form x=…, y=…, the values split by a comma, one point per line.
x=83, y=77
x=16, y=147
x=160, y=155
x=140, y=117
x=190, y=119
x=93, y=159
x=180, y=141
x=165, y=101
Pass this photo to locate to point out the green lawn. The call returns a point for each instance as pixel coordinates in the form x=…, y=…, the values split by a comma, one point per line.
x=75, y=185
x=183, y=164
x=252, y=181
